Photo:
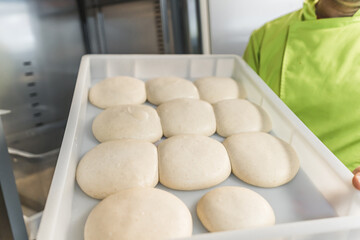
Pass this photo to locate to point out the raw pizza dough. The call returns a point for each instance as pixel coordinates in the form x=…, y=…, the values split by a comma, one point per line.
x=163, y=89
x=232, y=208
x=237, y=116
x=261, y=159
x=215, y=89
x=116, y=165
x=115, y=91
x=127, y=121
x=187, y=116
x=192, y=162
x=139, y=213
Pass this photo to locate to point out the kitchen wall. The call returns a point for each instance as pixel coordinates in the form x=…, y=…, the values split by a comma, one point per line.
x=232, y=21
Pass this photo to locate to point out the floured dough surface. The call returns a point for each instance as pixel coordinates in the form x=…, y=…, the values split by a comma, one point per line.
x=116, y=165
x=215, y=89
x=115, y=91
x=237, y=116
x=163, y=89
x=187, y=116
x=139, y=213
x=127, y=121
x=261, y=159
x=232, y=208
x=192, y=162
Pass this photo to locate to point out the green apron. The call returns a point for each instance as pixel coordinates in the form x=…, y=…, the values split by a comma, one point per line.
x=320, y=79
x=324, y=89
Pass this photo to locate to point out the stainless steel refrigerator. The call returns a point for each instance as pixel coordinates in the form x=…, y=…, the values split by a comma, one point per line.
x=41, y=44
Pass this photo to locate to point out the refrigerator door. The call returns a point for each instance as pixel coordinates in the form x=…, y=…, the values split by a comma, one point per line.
x=41, y=44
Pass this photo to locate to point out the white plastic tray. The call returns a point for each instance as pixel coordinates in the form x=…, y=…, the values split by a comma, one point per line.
x=320, y=199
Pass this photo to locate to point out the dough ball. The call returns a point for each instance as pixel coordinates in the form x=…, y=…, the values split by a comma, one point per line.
x=187, y=116
x=237, y=116
x=116, y=165
x=139, y=213
x=115, y=91
x=215, y=89
x=261, y=159
x=127, y=121
x=192, y=162
x=233, y=208
x=163, y=89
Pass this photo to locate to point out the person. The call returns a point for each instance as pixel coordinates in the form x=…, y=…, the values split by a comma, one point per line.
x=311, y=59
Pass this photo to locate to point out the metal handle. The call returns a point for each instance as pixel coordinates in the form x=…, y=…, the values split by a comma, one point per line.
x=12, y=224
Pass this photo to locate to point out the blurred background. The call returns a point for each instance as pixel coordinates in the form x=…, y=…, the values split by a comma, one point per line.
x=41, y=45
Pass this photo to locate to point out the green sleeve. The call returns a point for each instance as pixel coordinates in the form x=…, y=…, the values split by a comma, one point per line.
x=252, y=51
